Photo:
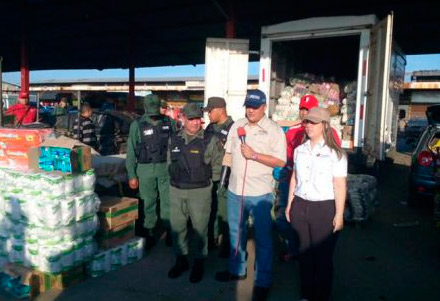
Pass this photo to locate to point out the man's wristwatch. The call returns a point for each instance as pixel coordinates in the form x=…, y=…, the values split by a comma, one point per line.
x=255, y=156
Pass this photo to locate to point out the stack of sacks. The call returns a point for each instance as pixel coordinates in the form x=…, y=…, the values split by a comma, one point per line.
x=287, y=107
x=47, y=220
x=362, y=197
x=348, y=108
x=335, y=122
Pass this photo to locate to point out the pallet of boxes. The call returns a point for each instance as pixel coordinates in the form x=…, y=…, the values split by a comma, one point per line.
x=116, y=240
x=47, y=212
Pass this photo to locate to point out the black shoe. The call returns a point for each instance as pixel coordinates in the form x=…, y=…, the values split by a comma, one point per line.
x=225, y=276
x=212, y=244
x=223, y=251
x=260, y=293
x=150, y=239
x=286, y=257
x=180, y=267
x=168, y=238
x=197, y=271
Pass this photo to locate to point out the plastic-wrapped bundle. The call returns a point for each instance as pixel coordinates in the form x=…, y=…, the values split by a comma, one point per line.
x=3, y=248
x=117, y=257
x=50, y=212
x=67, y=256
x=362, y=197
x=53, y=183
x=31, y=252
x=78, y=252
x=99, y=264
x=89, y=248
x=86, y=181
x=3, y=260
x=68, y=210
x=15, y=248
x=50, y=260
x=135, y=249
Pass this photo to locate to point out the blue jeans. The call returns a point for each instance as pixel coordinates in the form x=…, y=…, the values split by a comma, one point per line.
x=282, y=226
x=260, y=208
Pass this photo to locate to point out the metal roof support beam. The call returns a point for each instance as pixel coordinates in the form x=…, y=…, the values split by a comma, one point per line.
x=230, y=24
x=24, y=67
x=1, y=92
x=131, y=84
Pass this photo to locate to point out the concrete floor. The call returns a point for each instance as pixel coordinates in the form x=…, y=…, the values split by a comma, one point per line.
x=374, y=261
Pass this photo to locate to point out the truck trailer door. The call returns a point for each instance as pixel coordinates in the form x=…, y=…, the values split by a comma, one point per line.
x=226, y=72
x=378, y=132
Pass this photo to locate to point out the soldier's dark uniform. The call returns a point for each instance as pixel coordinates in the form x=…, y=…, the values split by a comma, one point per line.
x=218, y=224
x=195, y=163
x=147, y=152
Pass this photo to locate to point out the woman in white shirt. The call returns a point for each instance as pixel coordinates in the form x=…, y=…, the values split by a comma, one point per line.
x=316, y=203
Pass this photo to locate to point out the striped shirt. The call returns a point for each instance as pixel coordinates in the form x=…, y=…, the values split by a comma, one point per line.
x=86, y=133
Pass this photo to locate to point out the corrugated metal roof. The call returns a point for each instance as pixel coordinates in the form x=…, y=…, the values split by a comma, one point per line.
x=426, y=73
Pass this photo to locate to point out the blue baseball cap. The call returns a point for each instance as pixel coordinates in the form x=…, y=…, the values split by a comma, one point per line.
x=255, y=99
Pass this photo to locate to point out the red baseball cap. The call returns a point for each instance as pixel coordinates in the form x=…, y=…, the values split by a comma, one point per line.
x=308, y=101
x=23, y=95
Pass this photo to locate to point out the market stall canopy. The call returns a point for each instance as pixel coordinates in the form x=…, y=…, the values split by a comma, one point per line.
x=100, y=34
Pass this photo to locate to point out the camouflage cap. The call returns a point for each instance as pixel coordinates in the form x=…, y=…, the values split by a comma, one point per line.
x=192, y=110
x=152, y=105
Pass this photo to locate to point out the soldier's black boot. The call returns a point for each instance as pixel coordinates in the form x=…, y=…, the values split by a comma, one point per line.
x=168, y=238
x=180, y=267
x=197, y=271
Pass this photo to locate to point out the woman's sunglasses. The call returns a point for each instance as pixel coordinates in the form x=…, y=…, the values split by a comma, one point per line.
x=309, y=121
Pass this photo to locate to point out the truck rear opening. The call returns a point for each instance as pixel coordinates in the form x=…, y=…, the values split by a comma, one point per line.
x=325, y=67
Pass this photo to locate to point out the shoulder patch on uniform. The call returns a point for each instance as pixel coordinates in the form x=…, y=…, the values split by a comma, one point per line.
x=148, y=132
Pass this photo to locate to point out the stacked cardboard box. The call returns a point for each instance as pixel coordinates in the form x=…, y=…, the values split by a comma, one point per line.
x=16, y=143
x=39, y=282
x=116, y=216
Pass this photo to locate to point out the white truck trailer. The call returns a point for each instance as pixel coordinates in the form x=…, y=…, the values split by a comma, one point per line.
x=359, y=48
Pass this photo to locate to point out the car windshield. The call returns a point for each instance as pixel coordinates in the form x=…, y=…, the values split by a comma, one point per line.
x=417, y=122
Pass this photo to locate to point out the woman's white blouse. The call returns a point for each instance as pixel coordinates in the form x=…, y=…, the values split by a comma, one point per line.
x=315, y=170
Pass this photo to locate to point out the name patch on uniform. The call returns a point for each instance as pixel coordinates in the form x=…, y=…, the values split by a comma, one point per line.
x=176, y=149
x=194, y=151
x=224, y=132
x=148, y=132
x=166, y=127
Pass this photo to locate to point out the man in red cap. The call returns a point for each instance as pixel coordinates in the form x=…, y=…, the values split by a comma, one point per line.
x=294, y=137
x=22, y=111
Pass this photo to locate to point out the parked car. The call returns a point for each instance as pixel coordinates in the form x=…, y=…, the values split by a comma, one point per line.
x=415, y=126
x=423, y=163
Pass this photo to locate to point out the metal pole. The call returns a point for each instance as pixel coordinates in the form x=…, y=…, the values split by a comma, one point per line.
x=79, y=111
x=38, y=106
x=131, y=84
x=1, y=92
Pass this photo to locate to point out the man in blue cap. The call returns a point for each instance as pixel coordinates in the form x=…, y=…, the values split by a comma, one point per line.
x=146, y=163
x=252, y=158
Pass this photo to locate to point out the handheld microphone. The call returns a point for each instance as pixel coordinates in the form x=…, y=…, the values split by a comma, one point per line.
x=241, y=134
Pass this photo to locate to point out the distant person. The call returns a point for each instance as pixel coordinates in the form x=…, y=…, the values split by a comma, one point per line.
x=108, y=105
x=316, y=203
x=163, y=107
x=23, y=112
x=62, y=108
x=84, y=130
